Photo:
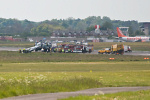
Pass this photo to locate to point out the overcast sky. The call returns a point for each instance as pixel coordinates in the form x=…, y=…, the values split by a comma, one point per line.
x=40, y=10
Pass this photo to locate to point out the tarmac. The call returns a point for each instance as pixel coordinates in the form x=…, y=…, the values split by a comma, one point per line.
x=134, y=53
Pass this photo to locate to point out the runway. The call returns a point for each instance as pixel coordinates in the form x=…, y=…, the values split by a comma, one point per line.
x=134, y=53
x=11, y=48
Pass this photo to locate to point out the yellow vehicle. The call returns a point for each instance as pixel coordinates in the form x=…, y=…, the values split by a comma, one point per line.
x=104, y=50
x=117, y=49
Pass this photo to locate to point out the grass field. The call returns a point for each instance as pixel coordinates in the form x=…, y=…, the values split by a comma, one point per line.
x=16, y=44
x=16, y=57
x=31, y=78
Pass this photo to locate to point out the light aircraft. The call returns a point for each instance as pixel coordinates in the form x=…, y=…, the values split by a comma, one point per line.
x=131, y=39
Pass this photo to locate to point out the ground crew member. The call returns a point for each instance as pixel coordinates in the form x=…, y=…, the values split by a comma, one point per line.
x=69, y=50
x=63, y=50
x=49, y=49
x=54, y=49
x=19, y=50
x=24, y=50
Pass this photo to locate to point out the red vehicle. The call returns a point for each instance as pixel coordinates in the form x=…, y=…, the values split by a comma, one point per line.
x=59, y=48
x=71, y=48
x=78, y=48
x=68, y=48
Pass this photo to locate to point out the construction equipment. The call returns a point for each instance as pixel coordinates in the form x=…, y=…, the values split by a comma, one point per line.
x=117, y=49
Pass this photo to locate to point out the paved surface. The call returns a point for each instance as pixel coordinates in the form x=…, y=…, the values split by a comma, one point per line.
x=10, y=48
x=55, y=96
x=135, y=53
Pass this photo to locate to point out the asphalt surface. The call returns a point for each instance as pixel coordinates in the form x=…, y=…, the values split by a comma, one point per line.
x=11, y=48
x=95, y=91
x=134, y=53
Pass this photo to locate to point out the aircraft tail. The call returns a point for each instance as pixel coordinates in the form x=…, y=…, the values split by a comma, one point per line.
x=120, y=34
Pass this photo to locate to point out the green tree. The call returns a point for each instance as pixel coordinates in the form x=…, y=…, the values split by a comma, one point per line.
x=45, y=29
x=106, y=19
x=64, y=24
x=138, y=32
x=131, y=33
x=89, y=29
x=81, y=26
x=107, y=25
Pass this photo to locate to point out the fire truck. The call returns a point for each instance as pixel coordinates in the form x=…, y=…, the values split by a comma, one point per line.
x=78, y=49
x=59, y=48
x=68, y=48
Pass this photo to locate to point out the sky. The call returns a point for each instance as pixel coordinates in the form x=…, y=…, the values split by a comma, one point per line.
x=40, y=10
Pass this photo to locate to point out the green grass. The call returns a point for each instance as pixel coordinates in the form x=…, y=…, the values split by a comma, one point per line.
x=74, y=66
x=16, y=57
x=138, y=95
x=16, y=44
x=31, y=78
x=38, y=83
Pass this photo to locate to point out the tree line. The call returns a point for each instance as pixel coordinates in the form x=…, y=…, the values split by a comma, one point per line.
x=25, y=28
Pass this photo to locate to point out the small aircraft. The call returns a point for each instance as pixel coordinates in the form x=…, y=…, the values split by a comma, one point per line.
x=131, y=39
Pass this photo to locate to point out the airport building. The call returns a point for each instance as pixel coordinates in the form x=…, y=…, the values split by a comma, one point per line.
x=124, y=30
x=145, y=27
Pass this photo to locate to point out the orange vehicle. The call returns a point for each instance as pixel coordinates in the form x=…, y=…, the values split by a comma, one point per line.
x=104, y=50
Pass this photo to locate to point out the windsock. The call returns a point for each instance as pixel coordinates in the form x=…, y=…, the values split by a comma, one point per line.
x=97, y=26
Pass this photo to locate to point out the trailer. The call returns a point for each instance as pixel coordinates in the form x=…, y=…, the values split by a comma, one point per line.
x=117, y=49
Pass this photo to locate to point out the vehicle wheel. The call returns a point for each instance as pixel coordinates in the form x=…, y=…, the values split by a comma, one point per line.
x=36, y=50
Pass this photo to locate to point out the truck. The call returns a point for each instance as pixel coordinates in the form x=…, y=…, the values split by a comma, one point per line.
x=59, y=48
x=117, y=49
x=78, y=49
x=83, y=48
x=127, y=48
x=89, y=48
x=68, y=48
